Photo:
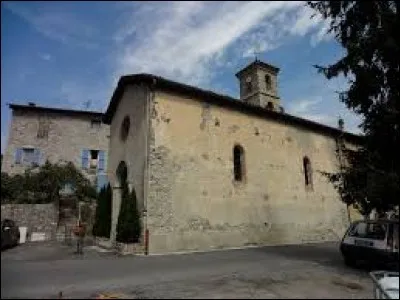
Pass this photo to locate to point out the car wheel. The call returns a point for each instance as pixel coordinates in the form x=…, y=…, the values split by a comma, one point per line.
x=349, y=261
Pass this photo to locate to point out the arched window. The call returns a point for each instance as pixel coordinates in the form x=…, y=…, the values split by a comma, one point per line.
x=307, y=171
x=122, y=173
x=249, y=85
x=270, y=105
x=268, y=83
x=238, y=163
x=126, y=124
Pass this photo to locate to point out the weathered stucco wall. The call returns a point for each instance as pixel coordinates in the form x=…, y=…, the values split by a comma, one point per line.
x=67, y=137
x=194, y=203
x=37, y=217
x=133, y=150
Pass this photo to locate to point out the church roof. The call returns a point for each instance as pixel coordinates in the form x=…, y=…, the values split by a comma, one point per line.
x=160, y=83
x=64, y=111
x=258, y=63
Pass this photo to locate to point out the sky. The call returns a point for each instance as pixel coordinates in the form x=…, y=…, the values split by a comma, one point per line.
x=71, y=54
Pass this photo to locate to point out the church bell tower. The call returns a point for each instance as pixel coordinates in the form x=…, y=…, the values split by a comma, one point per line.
x=259, y=85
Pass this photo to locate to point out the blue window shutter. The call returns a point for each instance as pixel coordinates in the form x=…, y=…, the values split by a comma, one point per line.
x=102, y=181
x=101, y=160
x=36, y=156
x=85, y=159
x=18, y=155
x=42, y=159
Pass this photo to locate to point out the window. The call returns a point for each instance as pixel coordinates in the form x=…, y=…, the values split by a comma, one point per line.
x=122, y=172
x=95, y=124
x=268, y=83
x=369, y=231
x=27, y=156
x=93, y=159
x=249, y=85
x=43, y=128
x=307, y=172
x=126, y=124
x=238, y=163
x=270, y=105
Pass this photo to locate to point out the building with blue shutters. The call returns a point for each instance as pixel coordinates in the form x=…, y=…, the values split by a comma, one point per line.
x=37, y=134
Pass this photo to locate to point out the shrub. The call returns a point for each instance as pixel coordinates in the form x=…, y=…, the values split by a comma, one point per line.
x=42, y=184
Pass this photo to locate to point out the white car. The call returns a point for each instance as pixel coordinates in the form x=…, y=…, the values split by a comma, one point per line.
x=386, y=284
x=373, y=241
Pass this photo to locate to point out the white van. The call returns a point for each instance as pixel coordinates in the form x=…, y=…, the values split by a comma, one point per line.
x=373, y=241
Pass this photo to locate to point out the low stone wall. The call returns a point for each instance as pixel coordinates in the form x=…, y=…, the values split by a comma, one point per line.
x=126, y=249
x=38, y=218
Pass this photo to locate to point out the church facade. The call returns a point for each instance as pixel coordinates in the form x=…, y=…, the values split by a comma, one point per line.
x=213, y=172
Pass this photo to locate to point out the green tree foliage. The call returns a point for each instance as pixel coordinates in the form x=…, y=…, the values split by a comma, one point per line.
x=129, y=226
x=42, y=184
x=369, y=32
x=102, y=225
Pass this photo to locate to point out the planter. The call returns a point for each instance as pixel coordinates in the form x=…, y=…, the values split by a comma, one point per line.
x=103, y=242
x=125, y=249
x=22, y=234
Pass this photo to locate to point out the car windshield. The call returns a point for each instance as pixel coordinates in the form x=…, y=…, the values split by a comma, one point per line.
x=369, y=231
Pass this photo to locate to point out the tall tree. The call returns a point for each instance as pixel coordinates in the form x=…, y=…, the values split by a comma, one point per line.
x=368, y=30
x=102, y=225
x=129, y=224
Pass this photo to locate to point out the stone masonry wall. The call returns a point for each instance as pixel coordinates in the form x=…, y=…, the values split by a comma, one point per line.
x=194, y=203
x=37, y=217
x=68, y=135
x=132, y=151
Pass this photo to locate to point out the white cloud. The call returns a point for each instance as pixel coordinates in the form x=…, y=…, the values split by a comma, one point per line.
x=45, y=56
x=325, y=110
x=302, y=106
x=322, y=34
x=183, y=40
x=56, y=24
x=304, y=21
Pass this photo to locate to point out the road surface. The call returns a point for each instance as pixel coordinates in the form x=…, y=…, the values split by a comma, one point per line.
x=308, y=271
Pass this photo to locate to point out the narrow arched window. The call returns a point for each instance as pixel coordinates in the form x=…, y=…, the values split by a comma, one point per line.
x=249, y=85
x=238, y=163
x=268, y=83
x=307, y=171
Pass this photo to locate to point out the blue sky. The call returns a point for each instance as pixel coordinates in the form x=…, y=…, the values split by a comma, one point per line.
x=64, y=54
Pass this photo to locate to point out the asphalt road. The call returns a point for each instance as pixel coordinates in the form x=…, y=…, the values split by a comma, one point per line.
x=308, y=271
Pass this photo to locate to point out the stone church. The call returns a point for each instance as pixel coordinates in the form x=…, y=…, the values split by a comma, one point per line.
x=212, y=172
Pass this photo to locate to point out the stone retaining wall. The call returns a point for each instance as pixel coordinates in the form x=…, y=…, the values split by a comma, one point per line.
x=39, y=218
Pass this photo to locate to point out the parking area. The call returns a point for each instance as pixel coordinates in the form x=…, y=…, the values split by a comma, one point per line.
x=295, y=271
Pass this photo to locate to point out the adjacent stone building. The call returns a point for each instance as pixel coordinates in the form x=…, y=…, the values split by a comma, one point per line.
x=39, y=133
x=211, y=171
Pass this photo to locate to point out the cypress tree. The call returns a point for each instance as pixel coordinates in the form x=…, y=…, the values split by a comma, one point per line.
x=102, y=224
x=128, y=227
x=108, y=211
x=97, y=230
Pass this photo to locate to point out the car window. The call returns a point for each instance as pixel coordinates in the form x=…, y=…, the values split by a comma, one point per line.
x=369, y=231
x=7, y=223
x=396, y=236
